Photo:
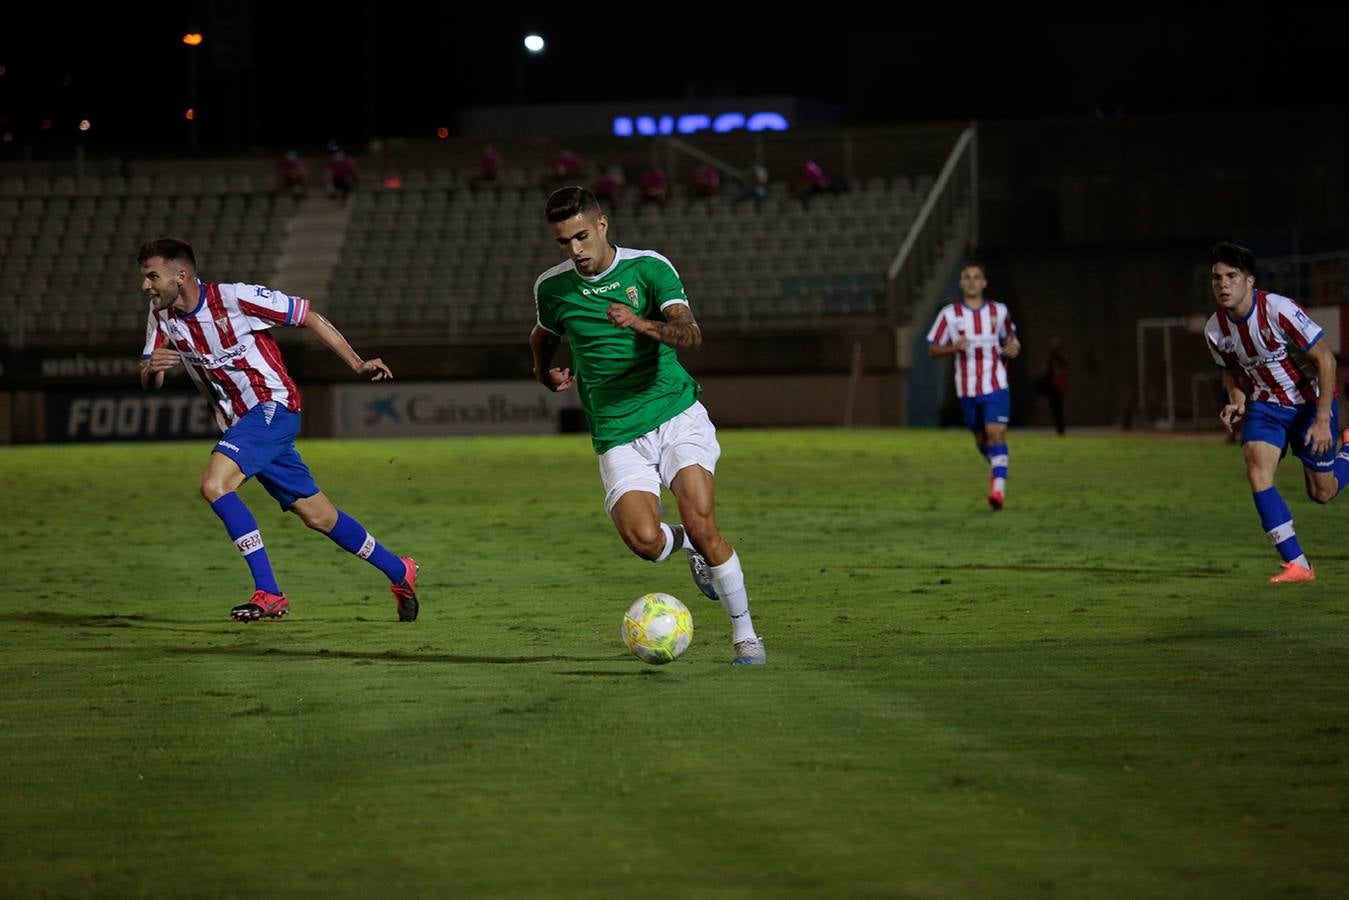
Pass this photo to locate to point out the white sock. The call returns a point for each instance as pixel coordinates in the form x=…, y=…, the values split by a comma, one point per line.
x=1302, y=561
x=1000, y=485
x=669, y=543
x=729, y=580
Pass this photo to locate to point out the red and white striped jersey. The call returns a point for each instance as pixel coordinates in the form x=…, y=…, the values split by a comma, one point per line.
x=226, y=348
x=1259, y=344
x=979, y=369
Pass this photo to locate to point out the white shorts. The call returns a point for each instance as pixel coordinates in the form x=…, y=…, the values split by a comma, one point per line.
x=655, y=458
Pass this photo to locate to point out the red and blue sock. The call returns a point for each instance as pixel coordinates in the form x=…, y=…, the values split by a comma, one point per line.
x=352, y=537
x=243, y=530
x=1277, y=520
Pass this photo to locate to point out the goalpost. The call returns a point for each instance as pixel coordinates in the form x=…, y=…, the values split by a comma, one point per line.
x=1192, y=327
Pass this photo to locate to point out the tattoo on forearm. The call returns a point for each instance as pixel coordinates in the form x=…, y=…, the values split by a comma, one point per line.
x=680, y=335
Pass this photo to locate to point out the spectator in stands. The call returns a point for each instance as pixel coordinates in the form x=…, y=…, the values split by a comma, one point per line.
x=654, y=184
x=757, y=188
x=705, y=181
x=490, y=166
x=811, y=180
x=609, y=185
x=567, y=166
x=292, y=173
x=342, y=175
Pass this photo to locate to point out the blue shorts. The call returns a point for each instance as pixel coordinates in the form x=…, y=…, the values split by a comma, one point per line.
x=991, y=409
x=262, y=443
x=1286, y=426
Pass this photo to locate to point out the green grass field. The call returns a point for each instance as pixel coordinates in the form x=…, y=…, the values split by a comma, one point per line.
x=1091, y=694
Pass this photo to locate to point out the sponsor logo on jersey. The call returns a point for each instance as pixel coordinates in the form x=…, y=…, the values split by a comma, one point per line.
x=1228, y=345
x=227, y=445
x=599, y=290
x=215, y=360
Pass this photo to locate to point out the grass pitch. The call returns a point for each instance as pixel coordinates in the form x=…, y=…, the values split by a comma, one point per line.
x=1091, y=694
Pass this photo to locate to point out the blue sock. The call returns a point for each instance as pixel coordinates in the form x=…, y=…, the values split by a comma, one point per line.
x=1277, y=520
x=352, y=537
x=1342, y=467
x=997, y=458
x=243, y=530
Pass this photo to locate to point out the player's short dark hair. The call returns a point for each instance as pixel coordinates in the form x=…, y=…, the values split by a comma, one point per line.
x=1234, y=255
x=170, y=248
x=975, y=264
x=572, y=201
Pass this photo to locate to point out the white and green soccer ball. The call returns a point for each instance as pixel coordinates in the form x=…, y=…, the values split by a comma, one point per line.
x=657, y=628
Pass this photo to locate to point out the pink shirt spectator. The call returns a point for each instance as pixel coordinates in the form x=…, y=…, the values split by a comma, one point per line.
x=813, y=176
x=608, y=184
x=705, y=181
x=655, y=184
x=292, y=169
x=343, y=170
x=567, y=164
x=490, y=164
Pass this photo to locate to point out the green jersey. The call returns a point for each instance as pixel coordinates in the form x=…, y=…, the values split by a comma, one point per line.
x=628, y=383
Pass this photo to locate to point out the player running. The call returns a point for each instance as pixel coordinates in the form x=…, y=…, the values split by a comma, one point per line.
x=219, y=331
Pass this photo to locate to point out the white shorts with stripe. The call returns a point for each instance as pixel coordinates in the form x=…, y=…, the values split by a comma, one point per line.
x=655, y=458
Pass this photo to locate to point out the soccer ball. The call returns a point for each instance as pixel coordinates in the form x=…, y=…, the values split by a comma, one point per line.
x=657, y=628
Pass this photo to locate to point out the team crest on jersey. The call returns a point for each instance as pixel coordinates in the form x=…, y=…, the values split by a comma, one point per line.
x=632, y=295
x=1267, y=335
x=222, y=322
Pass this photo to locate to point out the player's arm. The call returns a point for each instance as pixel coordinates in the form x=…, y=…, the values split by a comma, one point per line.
x=543, y=346
x=1319, y=437
x=938, y=343
x=1235, y=410
x=150, y=380
x=155, y=366
x=331, y=338
x=679, y=330
x=1011, y=347
x=935, y=350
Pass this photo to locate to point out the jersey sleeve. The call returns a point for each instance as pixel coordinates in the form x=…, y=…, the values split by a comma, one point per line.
x=265, y=308
x=1214, y=351
x=1007, y=327
x=1298, y=328
x=664, y=282
x=545, y=309
x=1213, y=340
x=940, y=332
x=154, y=335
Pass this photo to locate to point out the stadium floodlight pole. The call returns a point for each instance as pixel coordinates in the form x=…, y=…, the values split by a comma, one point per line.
x=193, y=40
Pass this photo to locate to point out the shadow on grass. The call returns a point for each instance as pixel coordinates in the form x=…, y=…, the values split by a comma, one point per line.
x=382, y=656
x=112, y=620
x=1032, y=567
x=90, y=620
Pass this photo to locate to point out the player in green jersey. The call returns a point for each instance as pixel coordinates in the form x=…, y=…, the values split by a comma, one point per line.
x=625, y=314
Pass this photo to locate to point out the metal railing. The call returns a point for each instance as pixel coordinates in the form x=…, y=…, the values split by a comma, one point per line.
x=955, y=192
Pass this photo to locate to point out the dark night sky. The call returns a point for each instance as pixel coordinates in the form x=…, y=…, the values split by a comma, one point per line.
x=274, y=74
